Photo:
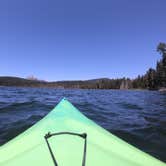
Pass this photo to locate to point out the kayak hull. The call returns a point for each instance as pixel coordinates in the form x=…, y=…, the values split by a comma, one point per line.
x=103, y=148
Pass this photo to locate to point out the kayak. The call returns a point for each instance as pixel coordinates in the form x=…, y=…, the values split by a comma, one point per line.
x=65, y=137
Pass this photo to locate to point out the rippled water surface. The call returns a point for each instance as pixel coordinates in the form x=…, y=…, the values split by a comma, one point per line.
x=139, y=117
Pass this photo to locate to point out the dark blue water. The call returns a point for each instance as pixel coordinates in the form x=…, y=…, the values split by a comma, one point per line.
x=139, y=117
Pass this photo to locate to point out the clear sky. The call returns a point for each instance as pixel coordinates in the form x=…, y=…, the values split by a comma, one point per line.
x=80, y=39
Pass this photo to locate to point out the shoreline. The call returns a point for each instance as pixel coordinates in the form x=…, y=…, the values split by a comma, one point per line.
x=52, y=87
x=163, y=89
x=101, y=83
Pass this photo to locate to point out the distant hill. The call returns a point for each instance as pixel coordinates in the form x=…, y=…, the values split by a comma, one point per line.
x=16, y=81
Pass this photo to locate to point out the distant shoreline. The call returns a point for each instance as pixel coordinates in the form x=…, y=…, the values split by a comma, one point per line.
x=101, y=83
x=154, y=79
x=45, y=87
x=78, y=84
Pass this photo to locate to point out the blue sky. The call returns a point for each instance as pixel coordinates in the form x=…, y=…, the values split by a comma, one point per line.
x=66, y=40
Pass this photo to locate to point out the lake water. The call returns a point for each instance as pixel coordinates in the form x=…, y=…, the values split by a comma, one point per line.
x=138, y=117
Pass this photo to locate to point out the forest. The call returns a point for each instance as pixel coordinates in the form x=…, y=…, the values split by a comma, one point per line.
x=153, y=79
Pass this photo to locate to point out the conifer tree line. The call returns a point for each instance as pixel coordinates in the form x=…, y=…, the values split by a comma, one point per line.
x=154, y=78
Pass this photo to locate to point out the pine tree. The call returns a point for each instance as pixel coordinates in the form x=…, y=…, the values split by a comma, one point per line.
x=161, y=66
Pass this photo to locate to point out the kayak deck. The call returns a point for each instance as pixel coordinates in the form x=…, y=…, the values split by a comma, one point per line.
x=103, y=148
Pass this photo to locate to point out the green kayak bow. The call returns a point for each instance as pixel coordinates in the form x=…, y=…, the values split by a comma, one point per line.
x=65, y=137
